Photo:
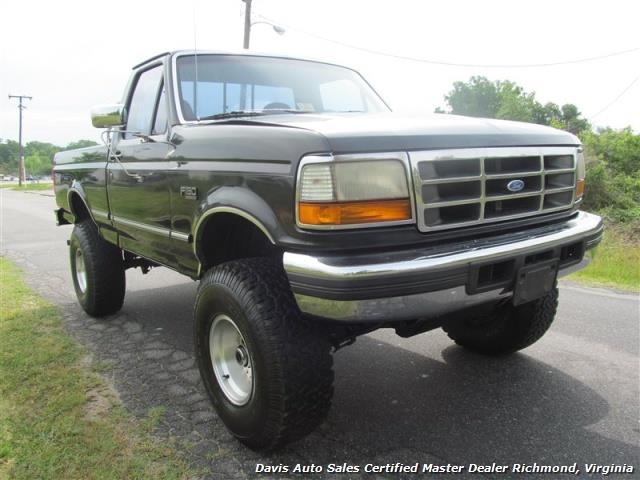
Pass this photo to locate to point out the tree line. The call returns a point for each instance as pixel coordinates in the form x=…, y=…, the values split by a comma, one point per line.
x=38, y=156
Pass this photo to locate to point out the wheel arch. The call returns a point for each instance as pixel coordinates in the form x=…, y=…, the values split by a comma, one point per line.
x=78, y=204
x=225, y=233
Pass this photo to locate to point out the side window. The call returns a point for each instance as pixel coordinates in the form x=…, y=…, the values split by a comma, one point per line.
x=160, y=123
x=341, y=96
x=143, y=102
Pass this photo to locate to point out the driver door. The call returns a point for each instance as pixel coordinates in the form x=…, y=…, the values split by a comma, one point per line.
x=137, y=173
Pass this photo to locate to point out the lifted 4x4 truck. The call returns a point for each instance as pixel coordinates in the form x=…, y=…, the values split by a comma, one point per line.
x=311, y=214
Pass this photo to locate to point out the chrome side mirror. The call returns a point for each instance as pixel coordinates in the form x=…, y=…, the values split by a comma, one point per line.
x=106, y=116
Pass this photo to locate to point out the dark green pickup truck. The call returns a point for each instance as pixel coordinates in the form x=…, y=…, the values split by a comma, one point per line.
x=311, y=214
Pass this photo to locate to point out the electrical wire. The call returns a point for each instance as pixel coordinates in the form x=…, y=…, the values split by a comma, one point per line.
x=618, y=97
x=454, y=64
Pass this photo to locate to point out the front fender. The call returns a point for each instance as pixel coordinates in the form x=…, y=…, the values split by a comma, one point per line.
x=238, y=201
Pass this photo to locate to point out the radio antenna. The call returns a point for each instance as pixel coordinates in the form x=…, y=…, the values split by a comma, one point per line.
x=195, y=61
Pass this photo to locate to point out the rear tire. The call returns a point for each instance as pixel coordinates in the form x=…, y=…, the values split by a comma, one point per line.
x=506, y=329
x=97, y=270
x=271, y=377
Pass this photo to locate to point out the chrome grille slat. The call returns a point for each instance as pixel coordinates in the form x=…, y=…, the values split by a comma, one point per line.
x=437, y=181
x=559, y=170
x=495, y=198
x=496, y=176
x=558, y=190
x=450, y=203
x=547, y=187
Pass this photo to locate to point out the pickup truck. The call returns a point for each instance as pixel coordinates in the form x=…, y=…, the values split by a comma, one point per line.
x=311, y=214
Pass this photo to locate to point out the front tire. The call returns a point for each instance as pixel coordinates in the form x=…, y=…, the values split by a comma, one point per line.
x=97, y=270
x=266, y=368
x=507, y=329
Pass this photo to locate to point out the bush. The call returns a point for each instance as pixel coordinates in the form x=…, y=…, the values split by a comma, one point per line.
x=613, y=174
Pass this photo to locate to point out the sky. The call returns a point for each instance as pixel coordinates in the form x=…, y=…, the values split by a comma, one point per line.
x=70, y=55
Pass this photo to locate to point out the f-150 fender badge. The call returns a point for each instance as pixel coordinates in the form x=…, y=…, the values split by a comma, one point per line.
x=189, y=193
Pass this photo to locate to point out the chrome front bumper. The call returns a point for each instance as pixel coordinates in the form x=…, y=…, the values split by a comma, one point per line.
x=425, y=282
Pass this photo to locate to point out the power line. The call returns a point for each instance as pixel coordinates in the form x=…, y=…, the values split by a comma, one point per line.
x=618, y=97
x=454, y=64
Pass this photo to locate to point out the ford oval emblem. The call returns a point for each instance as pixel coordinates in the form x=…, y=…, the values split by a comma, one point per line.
x=515, y=185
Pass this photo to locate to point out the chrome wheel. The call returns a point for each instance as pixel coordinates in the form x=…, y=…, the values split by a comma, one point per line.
x=231, y=360
x=81, y=272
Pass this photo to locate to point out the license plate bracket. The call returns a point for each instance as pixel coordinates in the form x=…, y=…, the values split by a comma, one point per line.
x=535, y=281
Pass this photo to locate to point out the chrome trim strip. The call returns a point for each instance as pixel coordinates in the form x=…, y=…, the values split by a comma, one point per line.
x=101, y=213
x=183, y=237
x=480, y=154
x=419, y=261
x=407, y=307
x=402, y=157
x=165, y=232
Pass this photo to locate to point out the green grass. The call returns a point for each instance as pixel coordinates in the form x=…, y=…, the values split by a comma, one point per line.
x=615, y=262
x=29, y=186
x=59, y=419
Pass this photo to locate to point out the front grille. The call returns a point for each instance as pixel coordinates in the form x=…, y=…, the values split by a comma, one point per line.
x=455, y=188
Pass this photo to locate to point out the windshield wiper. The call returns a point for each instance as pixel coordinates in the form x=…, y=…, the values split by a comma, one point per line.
x=234, y=114
x=285, y=110
x=251, y=113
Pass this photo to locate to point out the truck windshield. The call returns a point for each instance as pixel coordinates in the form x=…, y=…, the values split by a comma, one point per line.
x=233, y=84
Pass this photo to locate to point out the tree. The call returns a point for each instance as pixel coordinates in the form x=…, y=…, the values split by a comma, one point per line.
x=80, y=144
x=573, y=121
x=515, y=103
x=38, y=165
x=9, y=154
x=476, y=98
x=481, y=97
x=38, y=155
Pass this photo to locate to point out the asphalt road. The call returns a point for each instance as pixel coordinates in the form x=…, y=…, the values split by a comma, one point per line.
x=572, y=397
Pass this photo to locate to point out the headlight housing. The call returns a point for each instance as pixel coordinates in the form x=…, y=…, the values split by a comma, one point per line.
x=353, y=191
x=581, y=172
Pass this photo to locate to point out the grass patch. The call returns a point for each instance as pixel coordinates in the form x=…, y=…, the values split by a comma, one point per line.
x=29, y=187
x=615, y=262
x=58, y=417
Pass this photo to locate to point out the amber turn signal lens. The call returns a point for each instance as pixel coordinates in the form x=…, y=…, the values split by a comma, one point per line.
x=579, y=189
x=348, y=213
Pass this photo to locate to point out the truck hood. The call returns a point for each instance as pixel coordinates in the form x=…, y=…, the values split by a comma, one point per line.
x=351, y=133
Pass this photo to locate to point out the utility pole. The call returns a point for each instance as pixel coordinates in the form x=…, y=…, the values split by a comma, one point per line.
x=247, y=24
x=21, y=175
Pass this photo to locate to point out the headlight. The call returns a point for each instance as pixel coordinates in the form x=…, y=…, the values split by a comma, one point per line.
x=580, y=174
x=343, y=194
